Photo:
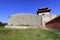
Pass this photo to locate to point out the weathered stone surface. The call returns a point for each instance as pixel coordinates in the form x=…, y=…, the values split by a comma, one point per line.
x=25, y=20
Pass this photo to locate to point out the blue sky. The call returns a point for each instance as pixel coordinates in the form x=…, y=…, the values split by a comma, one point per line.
x=9, y=7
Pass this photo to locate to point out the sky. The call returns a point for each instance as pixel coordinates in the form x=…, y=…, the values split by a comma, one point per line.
x=9, y=7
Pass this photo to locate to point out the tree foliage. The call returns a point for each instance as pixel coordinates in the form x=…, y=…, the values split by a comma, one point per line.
x=2, y=24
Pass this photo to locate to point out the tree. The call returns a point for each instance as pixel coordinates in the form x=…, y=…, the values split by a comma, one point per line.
x=2, y=24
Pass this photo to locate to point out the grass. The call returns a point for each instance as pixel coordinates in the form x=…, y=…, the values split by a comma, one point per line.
x=28, y=34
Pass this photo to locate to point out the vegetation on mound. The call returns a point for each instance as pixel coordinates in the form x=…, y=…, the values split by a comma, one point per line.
x=28, y=34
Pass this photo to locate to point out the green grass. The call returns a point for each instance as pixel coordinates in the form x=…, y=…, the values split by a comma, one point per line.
x=28, y=34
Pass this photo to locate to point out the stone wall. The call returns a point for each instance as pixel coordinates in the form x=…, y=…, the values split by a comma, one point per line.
x=25, y=20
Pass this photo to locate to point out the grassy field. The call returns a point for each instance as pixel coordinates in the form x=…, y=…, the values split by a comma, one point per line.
x=28, y=34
